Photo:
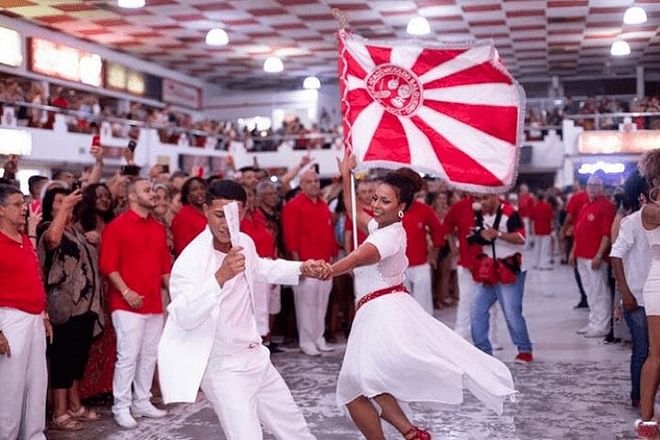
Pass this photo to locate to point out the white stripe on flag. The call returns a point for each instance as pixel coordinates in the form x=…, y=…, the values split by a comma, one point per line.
x=364, y=127
x=421, y=152
x=361, y=55
x=483, y=94
x=353, y=83
x=405, y=56
x=469, y=58
x=495, y=155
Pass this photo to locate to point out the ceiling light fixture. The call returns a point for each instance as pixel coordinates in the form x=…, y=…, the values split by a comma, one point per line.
x=620, y=48
x=311, y=82
x=273, y=65
x=634, y=15
x=217, y=37
x=418, y=26
x=130, y=4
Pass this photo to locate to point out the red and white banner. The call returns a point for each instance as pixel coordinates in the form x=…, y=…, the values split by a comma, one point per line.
x=448, y=110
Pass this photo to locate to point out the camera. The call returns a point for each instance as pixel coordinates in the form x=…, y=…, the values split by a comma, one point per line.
x=474, y=237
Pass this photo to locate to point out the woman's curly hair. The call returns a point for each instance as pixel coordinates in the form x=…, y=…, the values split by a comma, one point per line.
x=649, y=166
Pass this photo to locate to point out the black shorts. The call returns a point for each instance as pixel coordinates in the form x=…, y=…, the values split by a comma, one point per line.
x=69, y=351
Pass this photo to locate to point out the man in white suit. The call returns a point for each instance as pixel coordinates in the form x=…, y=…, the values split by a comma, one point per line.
x=211, y=337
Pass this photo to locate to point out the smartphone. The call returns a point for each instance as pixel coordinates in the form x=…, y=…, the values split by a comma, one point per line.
x=166, y=168
x=132, y=145
x=96, y=143
x=77, y=184
x=129, y=170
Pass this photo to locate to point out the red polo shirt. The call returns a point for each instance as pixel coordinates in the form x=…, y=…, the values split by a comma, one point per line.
x=575, y=204
x=525, y=204
x=460, y=220
x=186, y=225
x=21, y=286
x=593, y=223
x=420, y=220
x=541, y=216
x=257, y=228
x=307, y=227
x=135, y=247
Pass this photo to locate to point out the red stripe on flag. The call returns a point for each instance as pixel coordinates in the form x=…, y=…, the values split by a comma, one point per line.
x=389, y=142
x=359, y=99
x=431, y=58
x=479, y=74
x=354, y=68
x=460, y=167
x=498, y=121
x=380, y=55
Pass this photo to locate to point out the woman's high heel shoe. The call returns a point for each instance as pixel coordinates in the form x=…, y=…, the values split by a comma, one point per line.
x=417, y=434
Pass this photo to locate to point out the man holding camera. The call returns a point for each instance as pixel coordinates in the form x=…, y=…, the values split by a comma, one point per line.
x=501, y=232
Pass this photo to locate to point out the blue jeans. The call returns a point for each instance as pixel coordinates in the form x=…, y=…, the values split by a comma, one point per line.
x=510, y=297
x=638, y=326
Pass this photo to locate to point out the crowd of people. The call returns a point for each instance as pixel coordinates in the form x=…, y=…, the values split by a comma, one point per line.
x=87, y=262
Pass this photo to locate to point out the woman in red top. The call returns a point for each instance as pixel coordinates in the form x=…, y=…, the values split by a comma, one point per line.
x=190, y=220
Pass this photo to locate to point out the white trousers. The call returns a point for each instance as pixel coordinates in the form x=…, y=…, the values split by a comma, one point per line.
x=246, y=391
x=542, y=251
x=598, y=294
x=23, y=376
x=418, y=283
x=137, y=349
x=311, y=300
x=466, y=288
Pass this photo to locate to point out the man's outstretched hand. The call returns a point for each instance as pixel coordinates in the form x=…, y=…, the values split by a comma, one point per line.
x=316, y=269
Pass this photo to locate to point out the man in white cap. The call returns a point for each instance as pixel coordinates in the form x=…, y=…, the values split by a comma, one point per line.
x=592, y=240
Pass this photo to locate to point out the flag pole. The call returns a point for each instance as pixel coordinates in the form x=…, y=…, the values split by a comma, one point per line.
x=354, y=212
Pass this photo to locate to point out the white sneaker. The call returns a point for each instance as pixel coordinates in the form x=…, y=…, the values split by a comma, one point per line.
x=595, y=334
x=323, y=346
x=125, y=420
x=583, y=330
x=148, y=410
x=496, y=346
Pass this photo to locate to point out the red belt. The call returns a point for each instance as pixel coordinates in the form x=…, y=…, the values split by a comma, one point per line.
x=376, y=293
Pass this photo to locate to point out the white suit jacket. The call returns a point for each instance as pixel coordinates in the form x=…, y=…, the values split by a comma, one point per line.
x=189, y=333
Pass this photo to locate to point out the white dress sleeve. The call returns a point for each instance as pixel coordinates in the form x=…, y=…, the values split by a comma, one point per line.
x=386, y=242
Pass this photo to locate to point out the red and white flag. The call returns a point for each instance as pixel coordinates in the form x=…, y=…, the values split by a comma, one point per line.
x=448, y=110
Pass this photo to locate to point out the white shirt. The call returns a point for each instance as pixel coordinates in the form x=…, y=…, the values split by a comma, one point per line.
x=237, y=326
x=632, y=247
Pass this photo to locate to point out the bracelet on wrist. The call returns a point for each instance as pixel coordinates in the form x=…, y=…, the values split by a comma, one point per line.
x=125, y=291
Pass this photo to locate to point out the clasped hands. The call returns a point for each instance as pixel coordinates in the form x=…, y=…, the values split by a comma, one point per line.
x=316, y=269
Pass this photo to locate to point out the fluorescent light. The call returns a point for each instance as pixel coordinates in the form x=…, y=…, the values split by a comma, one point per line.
x=311, y=82
x=606, y=167
x=634, y=15
x=130, y=4
x=273, y=65
x=620, y=48
x=217, y=37
x=17, y=142
x=418, y=26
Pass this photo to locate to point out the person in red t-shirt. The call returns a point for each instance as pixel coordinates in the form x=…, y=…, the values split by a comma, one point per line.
x=541, y=218
x=135, y=259
x=592, y=240
x=364, y=193
x=419, y=222
x=23, y=325
x=308, y=234
x=190, y=220
x=575, y=204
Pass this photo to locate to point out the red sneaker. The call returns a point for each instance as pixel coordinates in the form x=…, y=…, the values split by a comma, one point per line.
x=646, y=430
x=524, y=357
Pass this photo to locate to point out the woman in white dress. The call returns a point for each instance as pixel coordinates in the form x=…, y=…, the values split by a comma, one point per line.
x=396, y=352
x=647, y=427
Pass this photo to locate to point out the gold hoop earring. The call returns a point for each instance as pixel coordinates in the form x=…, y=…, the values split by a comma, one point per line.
x=400, y=214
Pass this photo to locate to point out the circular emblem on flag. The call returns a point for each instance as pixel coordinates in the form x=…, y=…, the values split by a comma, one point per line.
x=395, y=88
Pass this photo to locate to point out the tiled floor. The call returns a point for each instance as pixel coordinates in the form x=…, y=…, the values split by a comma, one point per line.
x=577, y=388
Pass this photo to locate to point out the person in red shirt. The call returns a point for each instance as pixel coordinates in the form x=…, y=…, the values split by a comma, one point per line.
x=255, y=225
x=460, y=221
x=592, y=240
x=135, y=259
x=190, y=220
x=575, y=204
x=364, y=193
x=541, y=218
x=308, y=234
x=420, y=222
x=23, y=325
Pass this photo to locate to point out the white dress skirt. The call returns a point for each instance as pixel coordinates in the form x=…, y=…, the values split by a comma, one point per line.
x=396, y=347
x=652, y=286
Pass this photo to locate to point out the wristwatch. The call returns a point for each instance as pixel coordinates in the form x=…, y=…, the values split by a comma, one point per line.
x=499, y=234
